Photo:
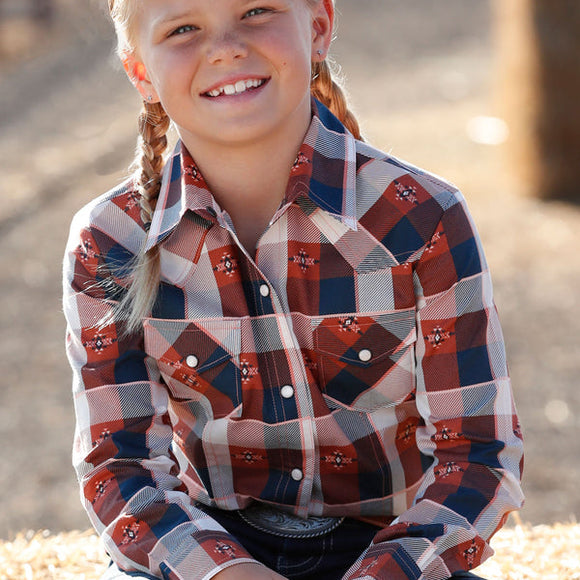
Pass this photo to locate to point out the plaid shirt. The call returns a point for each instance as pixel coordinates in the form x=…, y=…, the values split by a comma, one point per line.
x=354, y=366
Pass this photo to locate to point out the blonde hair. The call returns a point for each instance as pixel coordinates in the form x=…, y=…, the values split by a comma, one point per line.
x=153, y=126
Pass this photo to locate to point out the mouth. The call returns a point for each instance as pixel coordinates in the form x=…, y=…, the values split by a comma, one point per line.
x=236, y=88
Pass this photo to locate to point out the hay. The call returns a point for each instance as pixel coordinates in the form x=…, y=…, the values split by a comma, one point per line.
x=539, y=552
x=42, y=556
x=522, y=553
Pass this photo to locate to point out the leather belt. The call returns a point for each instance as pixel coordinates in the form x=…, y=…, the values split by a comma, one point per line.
x=278, y=523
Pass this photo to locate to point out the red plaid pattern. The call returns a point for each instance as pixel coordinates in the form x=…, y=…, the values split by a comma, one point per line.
x=354, y=367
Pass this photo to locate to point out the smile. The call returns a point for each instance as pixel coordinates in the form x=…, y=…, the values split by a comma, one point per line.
x=236, y=88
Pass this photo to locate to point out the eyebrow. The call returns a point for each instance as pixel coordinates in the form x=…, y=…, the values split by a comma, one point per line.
x=169, y=19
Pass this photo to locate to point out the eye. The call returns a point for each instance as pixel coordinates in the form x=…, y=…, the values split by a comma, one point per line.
x=183, y=29
x=256, y=12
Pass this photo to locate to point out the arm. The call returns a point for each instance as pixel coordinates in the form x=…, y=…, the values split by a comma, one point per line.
x=470, y=432
x=248, y=572
x=122, y=454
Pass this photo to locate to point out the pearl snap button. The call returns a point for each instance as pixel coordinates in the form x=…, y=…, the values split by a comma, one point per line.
x=192, y=361
x=365, y=355
x=297, y=474
x=287, y=391
x=265, y=290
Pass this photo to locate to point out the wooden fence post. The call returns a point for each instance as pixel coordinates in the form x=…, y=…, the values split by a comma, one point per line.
x=538, y=48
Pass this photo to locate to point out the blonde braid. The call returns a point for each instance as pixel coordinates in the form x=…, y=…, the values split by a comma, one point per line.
x=153, y=127
x=329, y=93
x=142, y=292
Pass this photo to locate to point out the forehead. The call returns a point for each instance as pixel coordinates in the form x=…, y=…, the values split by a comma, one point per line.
x=185, y=6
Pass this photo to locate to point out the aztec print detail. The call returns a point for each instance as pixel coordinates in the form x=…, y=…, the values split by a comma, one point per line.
x=438, y=336
x=304, y=261
x=248, y=456
x=225, y=548
x=337, y=459
x=86, y=251
x=433, y=242
x=445, y=434
x=406, y=193
x=446, y=470
x=130, y=533
x=227, y=265
x=99, y=343
x=247, y=370
x=301, y=159
x=193, y=172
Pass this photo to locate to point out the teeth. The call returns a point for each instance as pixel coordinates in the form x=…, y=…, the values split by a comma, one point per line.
x=239, y=87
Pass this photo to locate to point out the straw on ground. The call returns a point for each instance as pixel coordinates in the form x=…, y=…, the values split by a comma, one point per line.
x=522, y=553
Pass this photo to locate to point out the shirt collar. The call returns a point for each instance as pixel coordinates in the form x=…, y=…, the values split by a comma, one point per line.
x=324, y=171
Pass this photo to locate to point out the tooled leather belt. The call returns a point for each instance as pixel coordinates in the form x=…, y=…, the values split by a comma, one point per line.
x=278, y=523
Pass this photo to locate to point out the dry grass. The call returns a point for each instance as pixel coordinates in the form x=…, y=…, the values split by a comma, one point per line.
x=539, y=552
x=42, y=556
x=522, y=553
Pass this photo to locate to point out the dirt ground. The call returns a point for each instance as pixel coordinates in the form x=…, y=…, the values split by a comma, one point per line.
x=418, y=72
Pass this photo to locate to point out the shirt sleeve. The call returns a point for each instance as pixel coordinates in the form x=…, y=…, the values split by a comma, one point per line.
x=470, y=432
x=122, y=452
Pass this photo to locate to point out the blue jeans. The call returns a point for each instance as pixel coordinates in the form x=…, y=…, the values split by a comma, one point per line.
x=326, y=557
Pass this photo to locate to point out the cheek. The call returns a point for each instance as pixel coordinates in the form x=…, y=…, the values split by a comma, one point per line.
x=173, y=71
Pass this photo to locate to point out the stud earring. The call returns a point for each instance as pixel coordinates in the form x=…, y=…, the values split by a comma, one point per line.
x=149, y=98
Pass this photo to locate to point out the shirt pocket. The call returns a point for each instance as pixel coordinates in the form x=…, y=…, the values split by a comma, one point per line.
x=366, y=362
x=198, y=360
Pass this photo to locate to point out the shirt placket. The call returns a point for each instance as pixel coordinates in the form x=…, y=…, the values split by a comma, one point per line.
x=290, y=401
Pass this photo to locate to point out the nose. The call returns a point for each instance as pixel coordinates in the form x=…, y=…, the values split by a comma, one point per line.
x=225, y=48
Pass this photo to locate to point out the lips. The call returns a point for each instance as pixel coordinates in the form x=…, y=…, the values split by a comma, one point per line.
x=236, y=88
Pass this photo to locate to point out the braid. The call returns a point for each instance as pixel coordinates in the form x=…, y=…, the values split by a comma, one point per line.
x=329, y=93
x=153, y=127
x=140, y=298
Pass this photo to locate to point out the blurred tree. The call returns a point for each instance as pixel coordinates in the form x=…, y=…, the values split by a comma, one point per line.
x=539, y=80
x=41, y=10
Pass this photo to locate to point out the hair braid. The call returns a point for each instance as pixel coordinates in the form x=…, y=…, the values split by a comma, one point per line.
x=142, y=292
x=329, y=93
x=153, y=127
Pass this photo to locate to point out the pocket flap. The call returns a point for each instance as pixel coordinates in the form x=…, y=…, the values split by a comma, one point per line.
x=189, y=344
x=364, y=340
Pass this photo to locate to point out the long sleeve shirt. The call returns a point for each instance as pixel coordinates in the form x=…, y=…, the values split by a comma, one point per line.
x=353, y=366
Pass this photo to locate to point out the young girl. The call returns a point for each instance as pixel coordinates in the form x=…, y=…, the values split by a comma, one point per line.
x=287, y=360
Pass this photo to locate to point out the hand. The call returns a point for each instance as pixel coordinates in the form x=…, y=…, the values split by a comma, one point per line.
x=248, y=571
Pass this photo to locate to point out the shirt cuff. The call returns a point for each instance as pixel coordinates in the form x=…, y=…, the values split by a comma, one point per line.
x=185, y=553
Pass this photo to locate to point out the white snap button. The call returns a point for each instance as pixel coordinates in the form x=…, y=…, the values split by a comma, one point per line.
x=365, y=355
x=192, y=361
x=287, y=391
x=265, y=290
x=297, y=474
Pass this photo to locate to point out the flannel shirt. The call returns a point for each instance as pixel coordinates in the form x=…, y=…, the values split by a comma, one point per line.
x=354, y=366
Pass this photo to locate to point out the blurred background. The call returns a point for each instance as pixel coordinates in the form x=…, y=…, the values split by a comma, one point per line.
x=484, y=93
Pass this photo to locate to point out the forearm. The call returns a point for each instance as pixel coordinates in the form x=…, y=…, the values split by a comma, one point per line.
x=248, y=571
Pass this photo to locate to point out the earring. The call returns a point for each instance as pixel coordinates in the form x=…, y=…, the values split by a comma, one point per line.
x=149, y=98
x=319, y=52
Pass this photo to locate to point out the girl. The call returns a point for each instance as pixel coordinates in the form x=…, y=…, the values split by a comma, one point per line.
x=287, y=361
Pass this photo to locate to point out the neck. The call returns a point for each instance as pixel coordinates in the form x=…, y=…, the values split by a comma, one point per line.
x=249, y=180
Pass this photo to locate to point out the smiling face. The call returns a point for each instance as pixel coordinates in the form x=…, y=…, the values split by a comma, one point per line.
x=230, y=71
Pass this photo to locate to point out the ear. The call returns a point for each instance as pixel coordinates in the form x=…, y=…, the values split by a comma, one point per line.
x=322, y=28
x=137, y=73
